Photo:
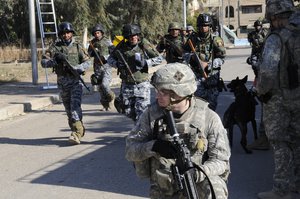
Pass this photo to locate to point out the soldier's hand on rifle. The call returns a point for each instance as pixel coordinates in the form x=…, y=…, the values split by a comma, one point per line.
x=60, y=57
x=140, y=61
x=217, y=63
x=164, y=148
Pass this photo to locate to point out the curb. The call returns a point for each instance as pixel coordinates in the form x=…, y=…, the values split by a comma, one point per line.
x=14, y=110
x=11, y=111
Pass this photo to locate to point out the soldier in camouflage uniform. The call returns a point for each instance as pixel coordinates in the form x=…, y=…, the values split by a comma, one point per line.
x=139, y=56
x=64, y=56
x=211, y=52
x=256, y=38
x=279, y=89
x=172, y=43
x=99, y=49
x=189, y=30
x=149, y=144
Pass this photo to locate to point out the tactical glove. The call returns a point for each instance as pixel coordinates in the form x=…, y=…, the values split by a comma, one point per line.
x=217, y=63
x=164, y=148
x=60, y=57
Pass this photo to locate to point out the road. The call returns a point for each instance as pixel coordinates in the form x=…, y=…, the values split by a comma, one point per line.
x=38, y=162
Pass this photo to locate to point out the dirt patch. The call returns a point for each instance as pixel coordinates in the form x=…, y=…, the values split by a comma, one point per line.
x=22, y=72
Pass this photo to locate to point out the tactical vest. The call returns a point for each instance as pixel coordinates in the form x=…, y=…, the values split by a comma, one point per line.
x=173, y=55
x=289, y=73
x=128, y=51
x=207, y=49
x=102, y=48
x=72, y=53
x=257, y=41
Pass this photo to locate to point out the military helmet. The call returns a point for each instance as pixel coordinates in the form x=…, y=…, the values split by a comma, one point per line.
x=176, y=77
x=190, y=28
x=257, y=23
x=275, y=7
x=98, y=27
x=204, y=20
x=174, y=26
x=131, y=29
x=65, y=27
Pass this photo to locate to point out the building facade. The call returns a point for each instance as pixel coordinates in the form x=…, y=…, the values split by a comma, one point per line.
x=238, y=15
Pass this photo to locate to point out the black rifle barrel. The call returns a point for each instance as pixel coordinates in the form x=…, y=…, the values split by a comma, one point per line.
x=183, y=168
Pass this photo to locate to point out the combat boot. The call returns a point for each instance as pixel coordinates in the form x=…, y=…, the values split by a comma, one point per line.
x=262, y=143
x=273, y=195
x=78, y=132
x=111, y=99
x=104, y=105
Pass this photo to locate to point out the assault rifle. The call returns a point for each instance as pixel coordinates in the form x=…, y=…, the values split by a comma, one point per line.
x=97, y=54
x=183, y=169
x=73, y=71
x=120, y=56
x=200, y=66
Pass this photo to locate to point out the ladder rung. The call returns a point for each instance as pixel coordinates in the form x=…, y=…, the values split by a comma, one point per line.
x=49, y=23
x=45, y=2
x=47, y=13
x=50, y=33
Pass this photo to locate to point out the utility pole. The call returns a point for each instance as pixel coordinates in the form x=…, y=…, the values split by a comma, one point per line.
x=239, y=19
x=221, y=17
x=33, y=42
x=184, y=13
x=228, y=13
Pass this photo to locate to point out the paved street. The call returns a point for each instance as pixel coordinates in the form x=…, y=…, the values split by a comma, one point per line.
x=38, y=162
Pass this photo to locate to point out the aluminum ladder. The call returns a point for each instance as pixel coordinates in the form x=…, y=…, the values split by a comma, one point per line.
x=48, y=27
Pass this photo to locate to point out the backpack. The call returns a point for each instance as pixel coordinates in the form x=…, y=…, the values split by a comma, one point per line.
x=290, y=57
x=293, y=50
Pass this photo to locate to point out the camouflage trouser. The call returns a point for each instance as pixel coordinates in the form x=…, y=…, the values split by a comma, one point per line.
x=203, y=188
x=71, y=94
x=209, y=94
x=105, y=76
x=282, y=125
x=136, y=98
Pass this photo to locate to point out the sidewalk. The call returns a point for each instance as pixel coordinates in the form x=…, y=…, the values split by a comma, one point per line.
x=19, y=98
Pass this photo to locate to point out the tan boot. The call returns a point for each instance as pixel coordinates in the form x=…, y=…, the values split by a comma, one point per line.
x=111, y=100
x=273, y=195
x=262, y=143
x=78, y=132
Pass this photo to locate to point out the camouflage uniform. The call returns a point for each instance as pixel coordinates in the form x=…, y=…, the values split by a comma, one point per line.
x=69, y=85
x=135, y=92
x=202, y=131
x=210, y=49
x=256, y=38
x=282, y=109
x=172, y=45
x=102, y=77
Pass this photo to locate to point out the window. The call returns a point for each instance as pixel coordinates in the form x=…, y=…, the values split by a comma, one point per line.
x=243, y=29
x=231, y=12
x=252, y=9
